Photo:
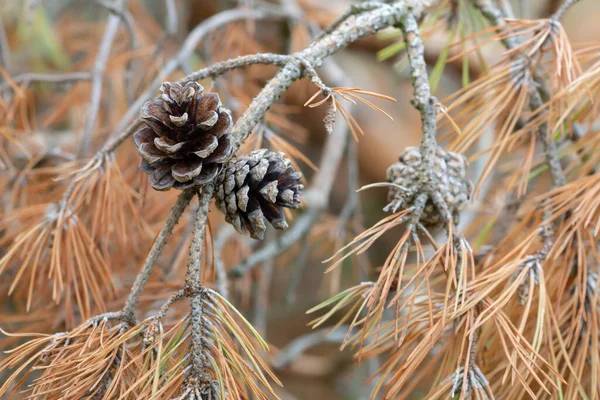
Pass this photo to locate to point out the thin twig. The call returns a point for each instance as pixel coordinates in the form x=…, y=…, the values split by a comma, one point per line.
x=66, y=77
x=223, y=67
x=174, y=298
x=112, y=25
x=172, y=17
x=221, y=274
x=296, y=347
x=4, y=48
x=263, y=289
x=128, y=313
x=115, y=141
x=129, y=23
x=560, y=13
x=298, y=269
x=283, y=242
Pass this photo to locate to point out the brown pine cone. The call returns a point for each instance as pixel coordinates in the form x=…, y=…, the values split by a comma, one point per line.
x=450, y=178
x=186, y=138
x=256, y=187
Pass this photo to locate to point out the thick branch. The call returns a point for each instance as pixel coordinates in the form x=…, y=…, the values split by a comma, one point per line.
x=560, y=13
x=192, y=279
x=350, y=31
x=128, y=313
x=422, y=100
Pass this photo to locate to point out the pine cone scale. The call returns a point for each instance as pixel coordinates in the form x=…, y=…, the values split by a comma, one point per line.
x=208, y=144
x=161, y=178
x=167, y=145
x=186, y=172
x=222, y=153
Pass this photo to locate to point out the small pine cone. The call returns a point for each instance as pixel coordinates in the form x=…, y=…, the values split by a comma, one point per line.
x=451, y=180
x=256, y=187
x=186, y=138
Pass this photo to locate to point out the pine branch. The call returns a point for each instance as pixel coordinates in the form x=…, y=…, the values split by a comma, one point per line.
x=422, y=99
x=192, y=280
x=128, y=312
x=495, y=16
x=365, y=24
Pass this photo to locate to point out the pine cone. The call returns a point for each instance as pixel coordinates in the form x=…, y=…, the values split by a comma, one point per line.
x=258, y=186
x=186, y=138
x=451, y=180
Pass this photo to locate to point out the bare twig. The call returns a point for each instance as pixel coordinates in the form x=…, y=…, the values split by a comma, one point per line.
x=172, y=17
x=174, y=298
x=115, y=141
x=66, y=77
x=221, y=68
x=277, y=246
x=298, y=269
x=112, y=25
x=299, y=345
x=263, y=289
x=129, y=23
x=4, y=49
x=221, y=274
x=560, y=13
x=161, y=239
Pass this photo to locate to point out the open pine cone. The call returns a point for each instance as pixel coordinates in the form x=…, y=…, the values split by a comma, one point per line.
x=186, y=138
x=450, y=177
x=256, y=187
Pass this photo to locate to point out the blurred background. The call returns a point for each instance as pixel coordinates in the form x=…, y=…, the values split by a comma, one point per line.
x=64, y=36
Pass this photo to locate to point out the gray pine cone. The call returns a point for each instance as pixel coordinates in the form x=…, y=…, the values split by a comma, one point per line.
x=451, y=179
x=255, y=187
